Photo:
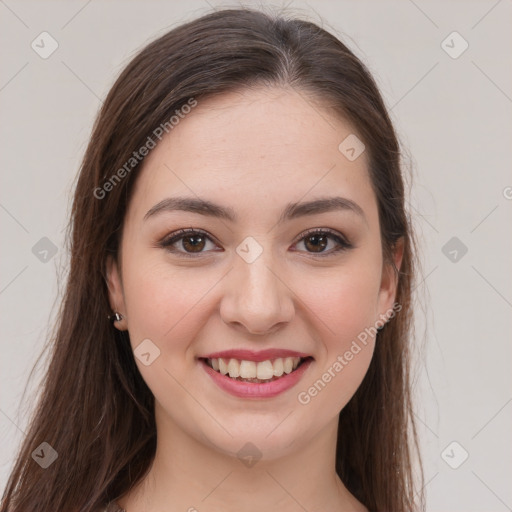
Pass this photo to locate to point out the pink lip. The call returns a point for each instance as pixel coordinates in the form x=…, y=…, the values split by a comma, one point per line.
x=251, y=355
x=255, y=390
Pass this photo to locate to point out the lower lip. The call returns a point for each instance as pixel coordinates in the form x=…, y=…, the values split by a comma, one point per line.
x=253, y=389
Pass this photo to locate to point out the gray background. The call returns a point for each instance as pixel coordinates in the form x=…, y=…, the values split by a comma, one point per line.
x=453, y=116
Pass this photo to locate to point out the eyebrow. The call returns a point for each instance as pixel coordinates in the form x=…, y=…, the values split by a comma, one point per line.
x=290, y=212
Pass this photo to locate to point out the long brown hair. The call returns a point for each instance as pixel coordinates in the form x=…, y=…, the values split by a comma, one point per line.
x=95, y=410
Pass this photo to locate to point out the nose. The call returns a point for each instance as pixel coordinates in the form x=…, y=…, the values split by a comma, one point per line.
x=257, y=299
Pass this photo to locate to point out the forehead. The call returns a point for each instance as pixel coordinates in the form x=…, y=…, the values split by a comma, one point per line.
x=253, y=148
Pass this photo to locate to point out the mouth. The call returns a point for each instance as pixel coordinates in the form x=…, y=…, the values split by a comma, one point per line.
x=256, y=372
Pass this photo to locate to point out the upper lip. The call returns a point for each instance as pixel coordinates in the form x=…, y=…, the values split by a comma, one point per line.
x=256, y=356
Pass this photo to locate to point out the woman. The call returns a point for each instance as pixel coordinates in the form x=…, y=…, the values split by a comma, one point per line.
x=235, y=328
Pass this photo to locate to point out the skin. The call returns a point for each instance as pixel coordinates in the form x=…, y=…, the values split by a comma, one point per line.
x=253, y=151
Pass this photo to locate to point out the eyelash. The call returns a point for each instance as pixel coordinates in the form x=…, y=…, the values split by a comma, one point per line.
x=167, y=243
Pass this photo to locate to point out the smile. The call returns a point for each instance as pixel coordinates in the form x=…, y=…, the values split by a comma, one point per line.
x=255, y=372
x=246, y=374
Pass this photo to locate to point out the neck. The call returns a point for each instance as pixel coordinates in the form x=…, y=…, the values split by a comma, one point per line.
x=188, y=475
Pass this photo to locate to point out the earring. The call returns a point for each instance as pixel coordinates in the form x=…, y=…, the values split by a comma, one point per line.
x=380, y=327
x=116, y=317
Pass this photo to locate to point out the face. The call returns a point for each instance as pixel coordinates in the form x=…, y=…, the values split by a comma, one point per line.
x=258, y=276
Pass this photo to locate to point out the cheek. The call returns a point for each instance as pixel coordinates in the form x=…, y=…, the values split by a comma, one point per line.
x=344, y=306
x=166, y=304
x=344, y=299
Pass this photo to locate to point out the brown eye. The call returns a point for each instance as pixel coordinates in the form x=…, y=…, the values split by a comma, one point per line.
x=316, y=243
x=317, y=240
x=190, y=242
x=193, y=243
x=187, y=242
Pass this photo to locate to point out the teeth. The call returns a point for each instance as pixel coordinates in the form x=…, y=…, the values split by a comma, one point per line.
x=263, y=370
x=223, y=367
x=233, y=368
x=278, y=367
x=247, y=369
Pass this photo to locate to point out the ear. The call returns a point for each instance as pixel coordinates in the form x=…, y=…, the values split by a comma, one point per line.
x=115, y=291
x=389, y=281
